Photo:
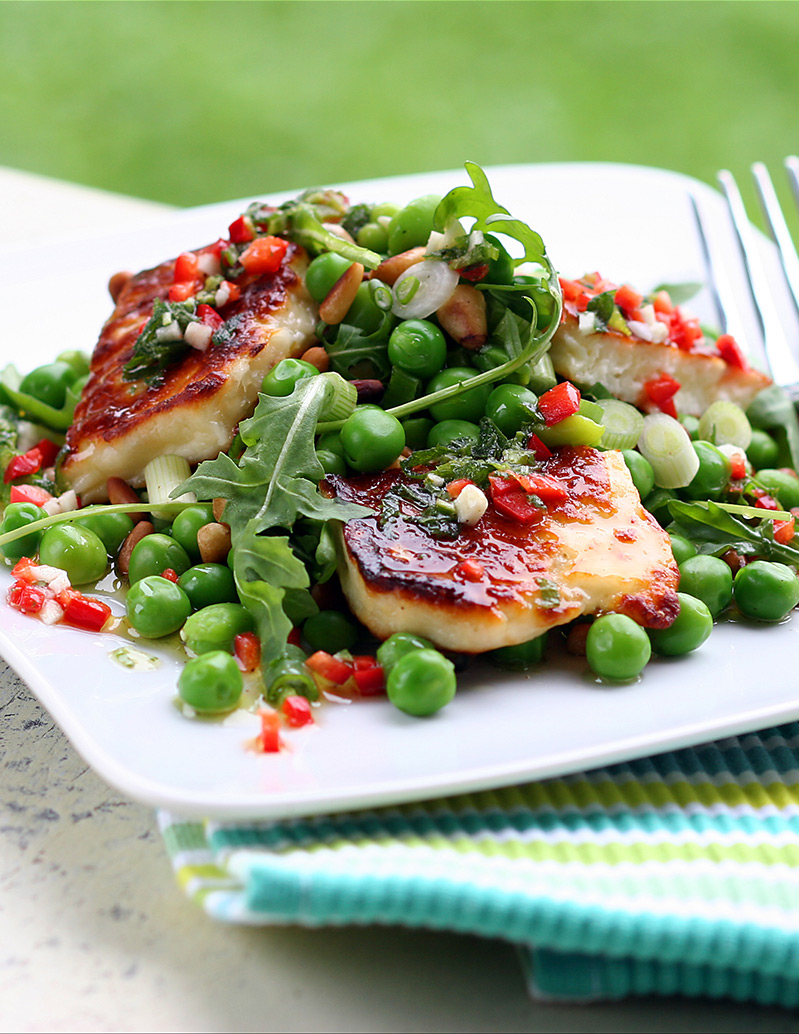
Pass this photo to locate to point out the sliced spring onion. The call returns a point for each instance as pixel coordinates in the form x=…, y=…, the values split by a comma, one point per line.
x=422, y=289
x=665, y=443
x=724, y=423
x=574, y=430
x=162, y=476
x=340, y=397
x=623, y=424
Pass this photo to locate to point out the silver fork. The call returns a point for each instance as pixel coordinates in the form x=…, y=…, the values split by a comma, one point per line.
x=778, y=344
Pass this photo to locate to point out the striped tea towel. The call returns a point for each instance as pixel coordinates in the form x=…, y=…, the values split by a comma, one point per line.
x=677, y=874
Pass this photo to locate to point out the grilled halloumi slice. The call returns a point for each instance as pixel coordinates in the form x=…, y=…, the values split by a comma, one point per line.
x=119, y=426
x=624, y=365
x=598, y=551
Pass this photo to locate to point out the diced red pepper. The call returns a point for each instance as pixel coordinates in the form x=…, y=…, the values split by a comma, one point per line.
x=30, y=494
x=294, y=637
x=737, y=466
x=537, y=448
x=21, y=466
x=454, y=488
x=180, y=292
x=329, y=667
x=22, y=571
x=474, y=273
x=268, y=740
x=683, y=332
x=26, y=598
x=767, y=502
x=247, y=651
x=297, y=711
x=170, y=574
x=209, y=316
x=186, y=268
x=511, y=500
x=784, y=531
x=627, y=299
x=471, y=570
x=572, y=289
x=49, y=450
x=370, y=680
x=86, y=612
x=559, y=402
x=548, y=489
x=583, y=300
x=240, y=230
x=264, y=255
x=661, y=390
x=661, y=303
x=730, y=352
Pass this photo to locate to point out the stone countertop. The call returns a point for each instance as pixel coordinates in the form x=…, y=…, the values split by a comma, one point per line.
x=95, y=934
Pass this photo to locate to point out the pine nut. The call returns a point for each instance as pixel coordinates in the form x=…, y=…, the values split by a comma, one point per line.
x=392, y=268
x=214, y=543
x=318, y=357
x=341, y=295
x=120, y=493
x=463, y=317
x=218, y=507
x=140, y=531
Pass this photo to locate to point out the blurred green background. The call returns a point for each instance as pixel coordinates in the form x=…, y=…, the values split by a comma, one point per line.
x=192, y=102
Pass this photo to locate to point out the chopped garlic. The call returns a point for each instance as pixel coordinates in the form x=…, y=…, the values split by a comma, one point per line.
x=51, y=612
x=209, y=264
x=199, y=335
x=63, y=503
x=470, y=505
x=222, y=295
x=587, y=322
x=169, y=332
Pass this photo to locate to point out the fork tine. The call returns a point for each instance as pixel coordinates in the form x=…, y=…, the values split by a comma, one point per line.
x=779, y=228
x=783, y=366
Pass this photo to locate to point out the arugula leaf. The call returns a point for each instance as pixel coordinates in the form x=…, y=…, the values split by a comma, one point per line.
x=302, y=221
x=275, y=480
x=772, y=410
x=679, y=293
x=714, y=530
x=603, y=306
x=265, y=569
x=348, y=347
x=161, y=341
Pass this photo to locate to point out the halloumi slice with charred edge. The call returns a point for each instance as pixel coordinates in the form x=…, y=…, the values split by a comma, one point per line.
x=642, y=347
x=500, y=583
x=120, y=425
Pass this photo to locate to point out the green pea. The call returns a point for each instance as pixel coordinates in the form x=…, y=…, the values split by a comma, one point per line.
x=215, y=627
x=709, y=579
x=365, y=313
x=416, y=431
x=511, y=406
x=397, y=645
x=372, y=439
x=690, y=629
x=640, y=471
x=49, y=383
x=211, y=684
x=155, y=554
x=188, y=522
x=762, y=451
x=206, y=584
x=331, y=441
x=111, y=528
x=781, y=484
x=17, y=515
x=681, y=547
x=77, y=360
x=384, y=209
x=417, y=346
x=521, y=656
x=616, y=647
x=323, y=272
x=449, y=431
x=691, y=425
x=282, y=379
x=373, y=236
x=156, y=607
x=331, y=462
x=421, y=682
x=500, y=269
x=413, y=224
x=469, y=405
x=330, y=630
x=75, y=550
x=713, y=474
x=766, y=591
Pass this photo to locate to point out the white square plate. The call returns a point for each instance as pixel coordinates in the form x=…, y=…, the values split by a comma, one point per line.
x=635, y=225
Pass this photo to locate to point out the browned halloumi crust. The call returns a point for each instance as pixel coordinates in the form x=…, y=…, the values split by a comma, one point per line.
x=119, y=426
x=601, y=549
x=624, y=364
